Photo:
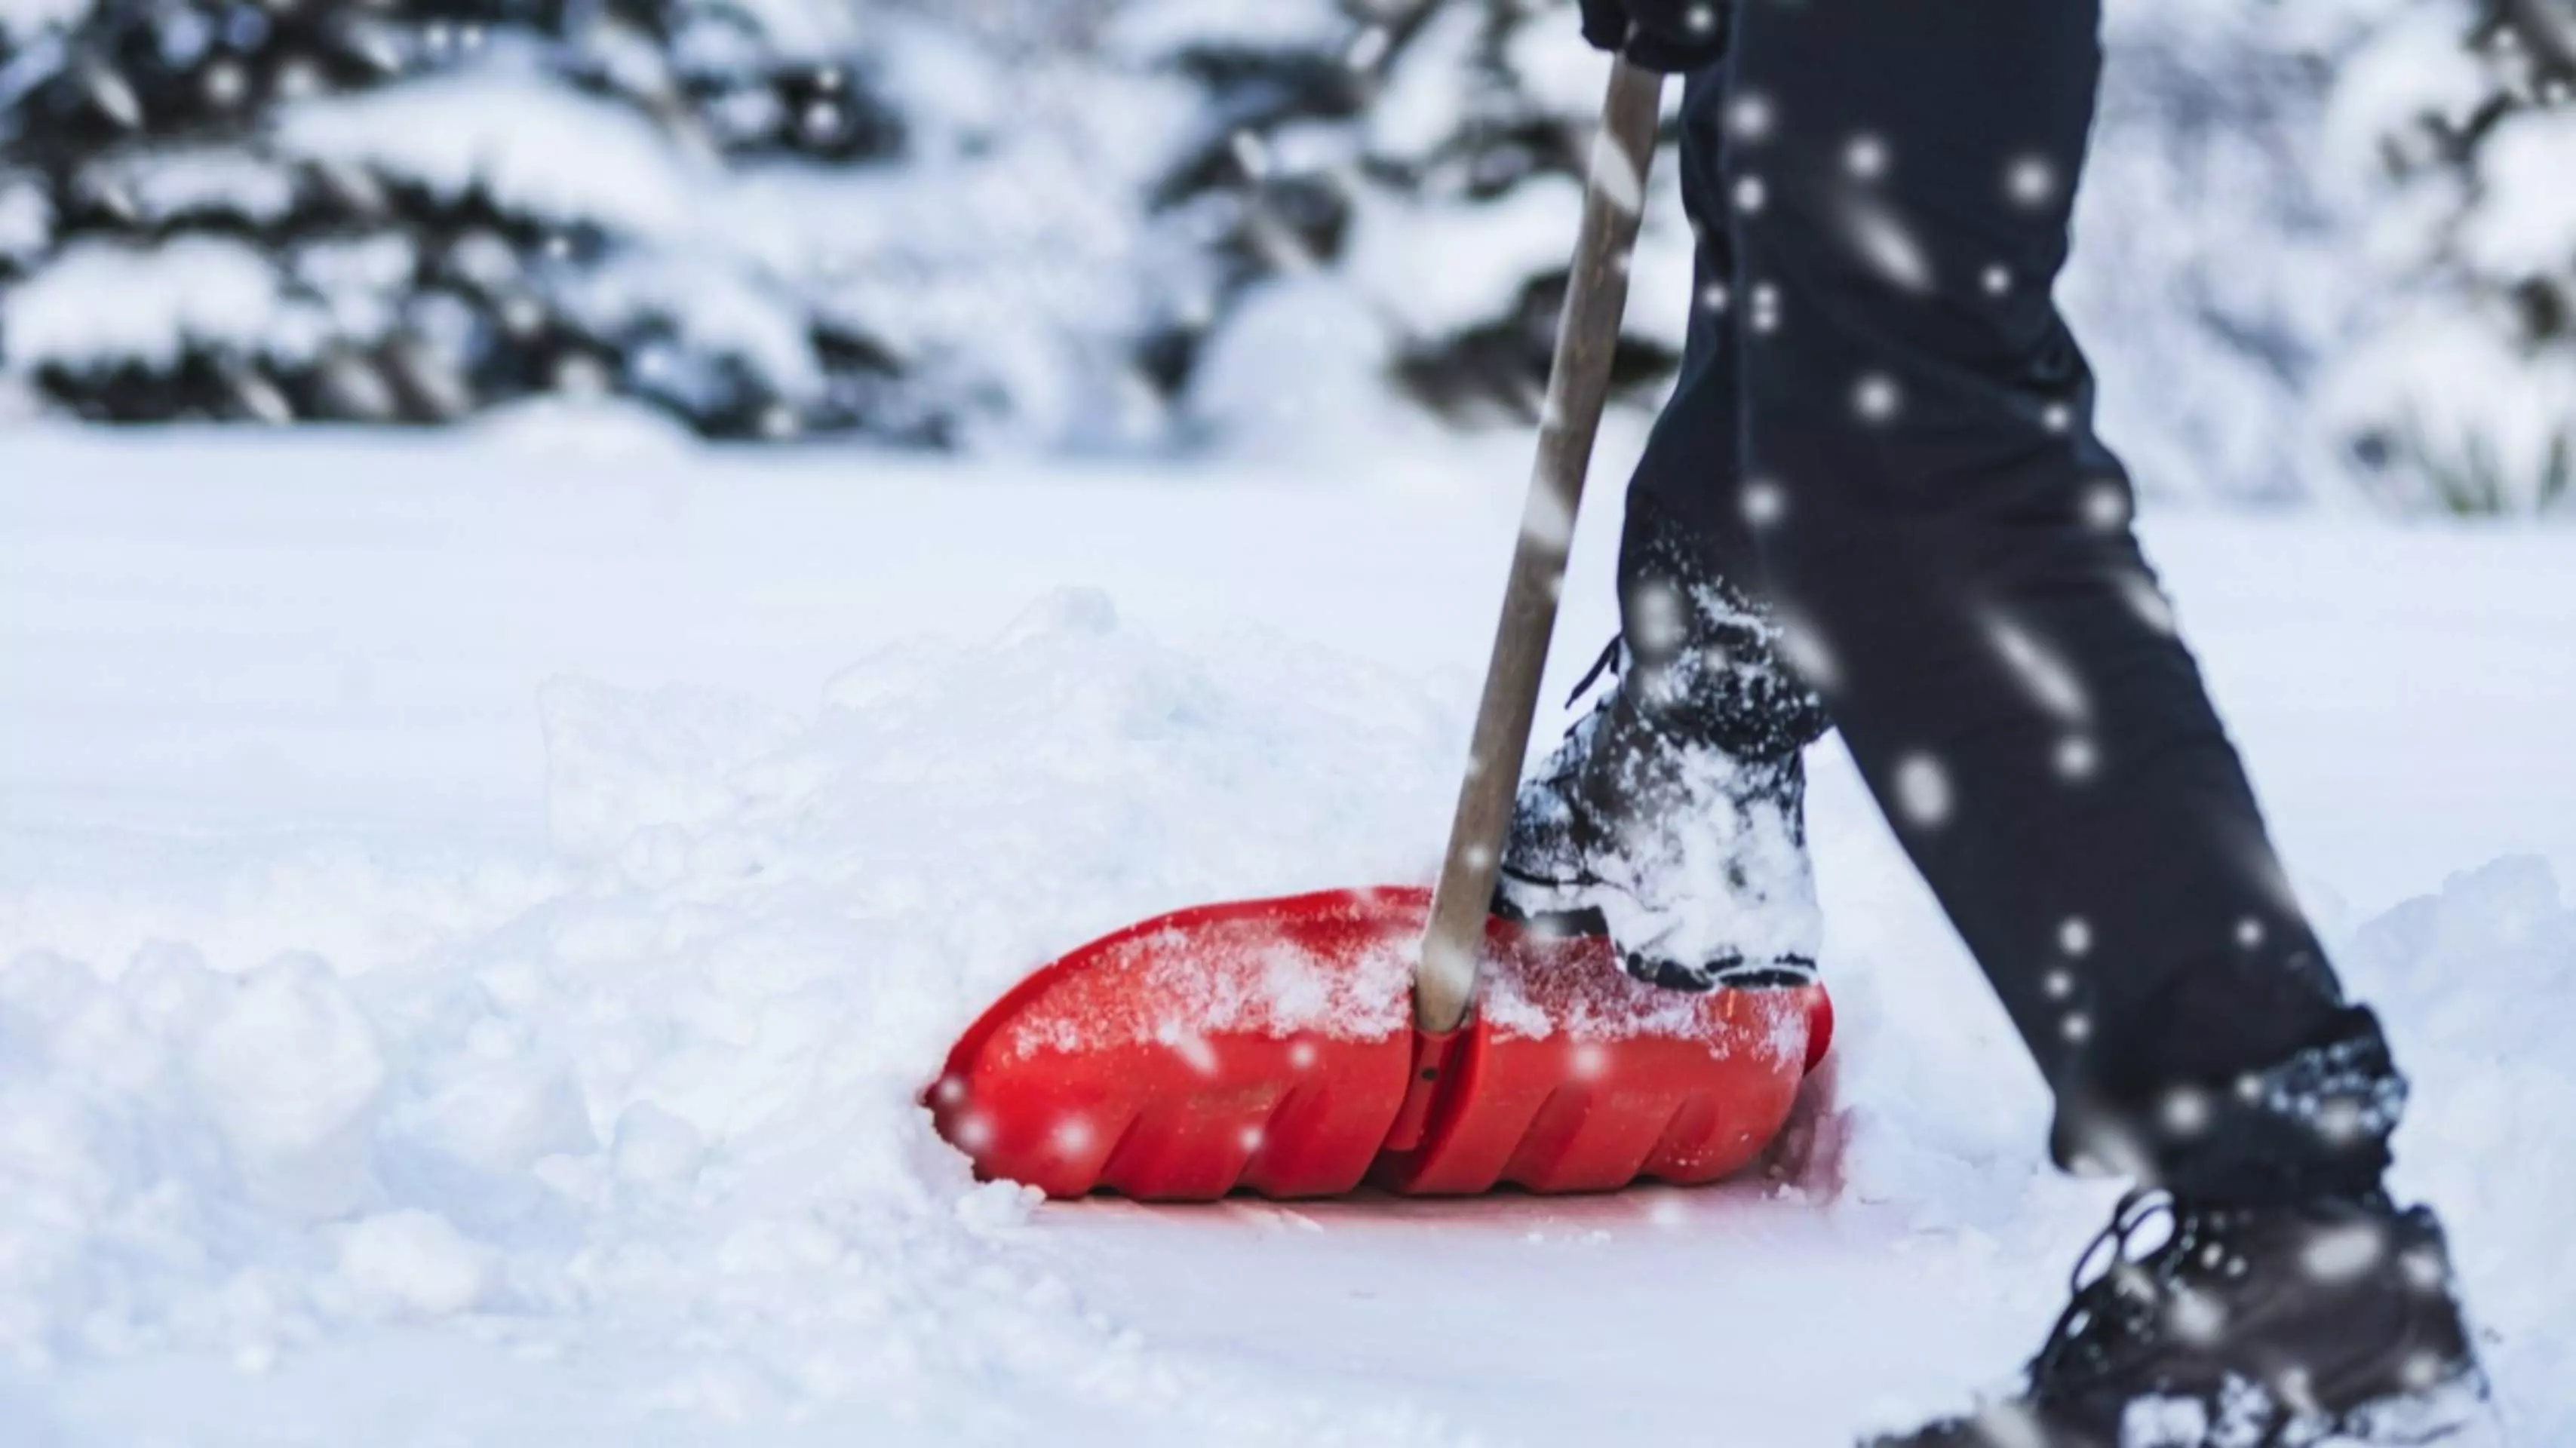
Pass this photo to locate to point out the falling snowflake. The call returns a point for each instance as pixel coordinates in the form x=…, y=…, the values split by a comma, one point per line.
x=2077, y=758
x=1750, y=117
x=1923, y=791
x=1766, y=307
x=2343, y=1253
x=225, y=85
x=2106, y=506
x=2187, y=1111
x=2075, y=935
x=1806, y=652
x=2422, y=1369
x=1654, y=617
x=1545, y=519
x=2196, y=1317
x=1750, y=194
x=2147, y=602
x=1764, y=502
x=1865, y=157
x=1876, y=398
x=2047, y=676
x=2030, y=181
x=1997, y=280
x=1887, y=245
x=1193, y=1048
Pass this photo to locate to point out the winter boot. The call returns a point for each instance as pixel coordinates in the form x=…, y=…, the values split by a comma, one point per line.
x=1672, y=817
x=2331, y=1324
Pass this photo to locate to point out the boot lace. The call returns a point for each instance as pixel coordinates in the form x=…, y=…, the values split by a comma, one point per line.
x=2116, y=1311
x=1567, y=760
x=1610, y=663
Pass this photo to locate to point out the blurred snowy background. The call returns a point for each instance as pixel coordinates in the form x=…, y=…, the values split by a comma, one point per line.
x=484, y=880
x=2327, y=253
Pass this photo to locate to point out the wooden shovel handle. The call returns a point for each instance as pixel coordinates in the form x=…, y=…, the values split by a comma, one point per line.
x=1578, y=384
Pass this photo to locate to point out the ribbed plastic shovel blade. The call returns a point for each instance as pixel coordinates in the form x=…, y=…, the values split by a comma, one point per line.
x=1269, y=1046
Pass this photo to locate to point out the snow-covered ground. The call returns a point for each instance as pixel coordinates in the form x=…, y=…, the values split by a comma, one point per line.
x=474, y=916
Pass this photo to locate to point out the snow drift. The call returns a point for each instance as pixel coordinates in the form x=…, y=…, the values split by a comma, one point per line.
x=618, y=1138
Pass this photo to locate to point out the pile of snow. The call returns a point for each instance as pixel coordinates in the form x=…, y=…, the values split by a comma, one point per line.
x=681, y=1076
x=616, y=1135
x=685, y=1077
x=2472, y=981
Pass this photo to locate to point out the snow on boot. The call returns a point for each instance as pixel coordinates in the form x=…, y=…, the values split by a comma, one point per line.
x=1672, y=817
x=2330, y=1324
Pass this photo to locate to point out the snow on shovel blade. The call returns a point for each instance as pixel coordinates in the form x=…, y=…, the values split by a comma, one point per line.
x=1269, y=1046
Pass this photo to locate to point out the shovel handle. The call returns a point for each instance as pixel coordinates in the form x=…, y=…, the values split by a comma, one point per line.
x=1578, y=384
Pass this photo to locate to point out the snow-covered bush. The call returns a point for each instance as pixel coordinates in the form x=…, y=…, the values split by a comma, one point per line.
x=2213, y=274
x=2462, y=398
x=1124, y=223
x=1427, y=157
x=738, y=212
x=1409, y=214
x=917, y=222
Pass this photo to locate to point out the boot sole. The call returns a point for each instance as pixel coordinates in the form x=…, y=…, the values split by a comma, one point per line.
x=2459, y=1413
x=1555, y=911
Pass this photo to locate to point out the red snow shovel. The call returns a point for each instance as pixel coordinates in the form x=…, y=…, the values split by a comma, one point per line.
x=1299, y=1047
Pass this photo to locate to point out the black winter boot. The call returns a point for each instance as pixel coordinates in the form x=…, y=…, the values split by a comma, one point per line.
x=1672, y=817
x=2331, y=1324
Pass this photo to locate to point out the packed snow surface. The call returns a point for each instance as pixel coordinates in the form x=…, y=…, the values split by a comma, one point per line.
x=475, y=917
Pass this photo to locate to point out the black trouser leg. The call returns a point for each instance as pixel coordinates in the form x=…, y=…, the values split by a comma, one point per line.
x=1690, y=480
x=1885, y=429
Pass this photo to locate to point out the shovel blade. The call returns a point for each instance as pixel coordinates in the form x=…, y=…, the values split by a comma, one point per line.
x=1575, y=1077
x=1258, y=1045
x=1268, y=1046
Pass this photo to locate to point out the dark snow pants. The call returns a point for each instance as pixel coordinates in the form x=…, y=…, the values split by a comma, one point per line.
x=1883, y=428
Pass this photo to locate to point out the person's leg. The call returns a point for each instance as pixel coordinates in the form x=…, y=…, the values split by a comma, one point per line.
x=1949, y=544
x=1689, y=484
x=1672, y=818
x=1687, y=551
